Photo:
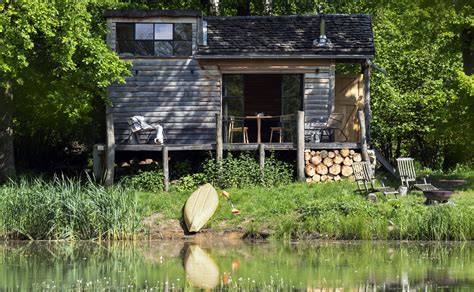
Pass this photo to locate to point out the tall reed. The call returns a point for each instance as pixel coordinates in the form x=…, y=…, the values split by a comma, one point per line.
x=64, y=208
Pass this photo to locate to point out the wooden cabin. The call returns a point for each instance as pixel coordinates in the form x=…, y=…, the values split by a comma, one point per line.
x=207, y=80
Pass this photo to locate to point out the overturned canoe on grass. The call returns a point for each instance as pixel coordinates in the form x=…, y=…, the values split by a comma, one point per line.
x=200, y=207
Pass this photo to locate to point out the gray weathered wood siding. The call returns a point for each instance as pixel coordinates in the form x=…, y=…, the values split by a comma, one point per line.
x=319, y=93
x=177, y=94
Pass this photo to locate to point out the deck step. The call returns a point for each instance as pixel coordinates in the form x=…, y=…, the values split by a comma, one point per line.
x=385, y=163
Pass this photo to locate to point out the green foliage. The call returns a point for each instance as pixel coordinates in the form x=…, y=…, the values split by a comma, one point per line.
x=146, y=181
x=67, y=209
x=244, y=171
x=189, y=182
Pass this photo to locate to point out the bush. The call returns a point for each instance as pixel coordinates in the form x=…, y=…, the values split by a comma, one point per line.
x=244, y=171
x=67, y=209
x=189, y=182
x=146, y=181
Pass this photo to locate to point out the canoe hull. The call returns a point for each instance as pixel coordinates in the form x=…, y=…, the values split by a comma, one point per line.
x=200, y=207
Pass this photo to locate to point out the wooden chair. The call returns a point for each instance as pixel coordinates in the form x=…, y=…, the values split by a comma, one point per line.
x=335, y=122
x=366, y=181
x=406, y=170
x=317, y=130
x=280, y=131
x=233, y=129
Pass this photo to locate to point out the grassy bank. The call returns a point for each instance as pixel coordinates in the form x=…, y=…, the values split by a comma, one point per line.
x=333, y=210
x=70, y=209
x=64, y=208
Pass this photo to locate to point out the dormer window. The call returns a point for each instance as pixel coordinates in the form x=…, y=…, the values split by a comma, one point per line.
x=154, y=39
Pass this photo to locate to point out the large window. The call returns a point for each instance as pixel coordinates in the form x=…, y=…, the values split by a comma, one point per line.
x=154, y=39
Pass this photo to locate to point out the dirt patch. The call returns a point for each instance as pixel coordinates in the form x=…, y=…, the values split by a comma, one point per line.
x=158, y=227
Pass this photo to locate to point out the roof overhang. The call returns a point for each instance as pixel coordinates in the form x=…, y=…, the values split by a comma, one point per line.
x=281, y=56
x=150, y=13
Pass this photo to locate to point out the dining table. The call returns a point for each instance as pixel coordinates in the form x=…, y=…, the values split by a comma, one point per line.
x=259, y=118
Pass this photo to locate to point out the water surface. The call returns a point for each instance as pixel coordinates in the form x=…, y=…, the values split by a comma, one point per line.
x=176, y=265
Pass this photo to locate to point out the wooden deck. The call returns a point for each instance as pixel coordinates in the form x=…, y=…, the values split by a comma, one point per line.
x=235, y=146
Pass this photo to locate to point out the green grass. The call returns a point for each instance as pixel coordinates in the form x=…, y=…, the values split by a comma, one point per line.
x=332, y=210
x=64, y=208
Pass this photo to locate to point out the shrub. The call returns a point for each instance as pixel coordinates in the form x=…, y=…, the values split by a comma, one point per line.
x=189, y=182
x=244, y=171
x=146, y=181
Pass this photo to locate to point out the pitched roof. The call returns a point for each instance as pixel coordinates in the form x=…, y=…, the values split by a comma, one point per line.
x=259, y=36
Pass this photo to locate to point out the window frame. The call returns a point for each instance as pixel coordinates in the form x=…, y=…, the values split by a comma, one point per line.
x=155, y=40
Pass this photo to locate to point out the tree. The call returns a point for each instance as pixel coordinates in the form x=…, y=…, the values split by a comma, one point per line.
x=53, y=62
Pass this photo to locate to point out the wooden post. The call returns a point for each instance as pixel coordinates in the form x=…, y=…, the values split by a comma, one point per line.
x=98, y=161
x=219, y=143
x=300, y=146
x=110, y=156
x=363, y=137
x=166, y=171
x=367, y=110
x=261, y=155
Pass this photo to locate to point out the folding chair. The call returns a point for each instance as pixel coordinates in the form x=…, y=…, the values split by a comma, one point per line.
x=406, y=170
x=365, y=179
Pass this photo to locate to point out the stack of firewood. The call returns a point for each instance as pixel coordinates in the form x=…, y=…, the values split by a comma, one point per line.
x=331, y=165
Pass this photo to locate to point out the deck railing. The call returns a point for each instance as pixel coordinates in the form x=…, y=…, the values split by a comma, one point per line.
x=259, y=129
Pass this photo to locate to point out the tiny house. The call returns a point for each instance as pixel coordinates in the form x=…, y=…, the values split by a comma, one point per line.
x=240, y=82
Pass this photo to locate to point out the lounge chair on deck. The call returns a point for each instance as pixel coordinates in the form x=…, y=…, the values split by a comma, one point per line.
x=366, y=181
x=138, y=124
x=406, y=170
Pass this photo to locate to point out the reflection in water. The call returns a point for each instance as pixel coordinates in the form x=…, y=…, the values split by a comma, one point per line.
x=246, y=266
x=201, y=270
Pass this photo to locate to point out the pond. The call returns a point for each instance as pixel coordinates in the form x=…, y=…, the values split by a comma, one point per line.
x=178, y=265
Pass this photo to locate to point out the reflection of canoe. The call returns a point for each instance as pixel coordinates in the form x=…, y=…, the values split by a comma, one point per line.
x=201, y=270
x=200, y=207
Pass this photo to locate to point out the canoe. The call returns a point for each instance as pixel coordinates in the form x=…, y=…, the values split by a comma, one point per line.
x=200, y=207
x=202, y=272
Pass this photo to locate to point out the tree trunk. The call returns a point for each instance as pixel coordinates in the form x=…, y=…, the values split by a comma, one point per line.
x=7, y=160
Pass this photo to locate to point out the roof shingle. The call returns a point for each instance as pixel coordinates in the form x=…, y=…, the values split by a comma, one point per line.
x=350, y=35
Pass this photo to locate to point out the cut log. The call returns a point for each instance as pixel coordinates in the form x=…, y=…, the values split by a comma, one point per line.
x=324, y=154
x=338, y=159
x=307, y=156
x=346, y=170
x=321, y=169
x=313, y=153
x=308, y=180
x=347, y=161
x=148, y=161
x=337, y=178
x=331, y=154
x=357, y=157
x=324, y=177
x=316, y=178
x=310, y=170
x=330, y=178
x=336, y=151
x=306, y=162
x=345, y=152
x=328, y=161
x=316, y=160
x=351, y=152
x=335, y=169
